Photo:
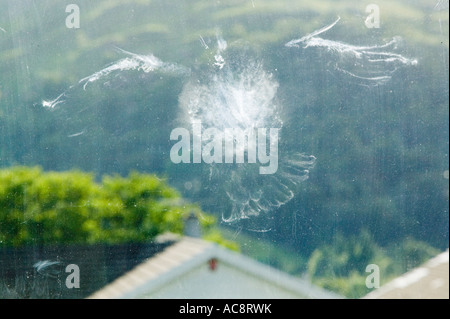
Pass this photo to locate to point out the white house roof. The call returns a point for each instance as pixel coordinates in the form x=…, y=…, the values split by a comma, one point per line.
x=430, y=281
x=190, y=253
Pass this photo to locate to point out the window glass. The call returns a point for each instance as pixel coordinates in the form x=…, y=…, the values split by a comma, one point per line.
x=309, y=136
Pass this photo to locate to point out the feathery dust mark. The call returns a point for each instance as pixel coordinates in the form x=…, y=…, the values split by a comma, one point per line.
x=46, y=268
x=221, y=47
x=139, y=62
x=53, y=103
x=371, y=65
x=134, y=62
x=441, y=5
x=241, y=95
x=202, y=41
x=76, y=134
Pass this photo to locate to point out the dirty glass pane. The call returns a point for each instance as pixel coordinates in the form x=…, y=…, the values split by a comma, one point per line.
x=307, y=139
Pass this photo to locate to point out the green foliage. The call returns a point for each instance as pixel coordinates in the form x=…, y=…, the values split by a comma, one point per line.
x=340, y=266
x=352, y=286
x=342, y=256
x=38, y=208
x=217, y=237
x=409, y=254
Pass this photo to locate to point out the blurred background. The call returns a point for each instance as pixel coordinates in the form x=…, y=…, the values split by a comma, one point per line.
x=82, y=108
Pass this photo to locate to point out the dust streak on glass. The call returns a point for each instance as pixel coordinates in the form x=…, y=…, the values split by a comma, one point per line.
x=371, y=64
x=441, y=5
x=146, y=63
x=134, y=62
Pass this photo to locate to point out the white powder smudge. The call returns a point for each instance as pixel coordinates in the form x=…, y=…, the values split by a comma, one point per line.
x=373, y=64
x=239, y=94
x=52, y=104
x=441, y=5
x=307, y=38
x=146, y=63
x=202, y=41
x=45, y=267
x=76, y=134
x=221, y=47
x=242, y=95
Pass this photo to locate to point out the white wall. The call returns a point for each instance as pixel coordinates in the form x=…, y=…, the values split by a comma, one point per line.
x=223, y=283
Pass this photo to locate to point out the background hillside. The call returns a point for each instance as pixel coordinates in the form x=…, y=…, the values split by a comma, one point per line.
x=379, y=190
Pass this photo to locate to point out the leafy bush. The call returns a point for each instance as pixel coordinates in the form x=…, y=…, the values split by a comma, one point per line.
x=38, y=208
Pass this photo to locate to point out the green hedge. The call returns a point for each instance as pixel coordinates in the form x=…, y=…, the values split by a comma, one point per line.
x=42, y=208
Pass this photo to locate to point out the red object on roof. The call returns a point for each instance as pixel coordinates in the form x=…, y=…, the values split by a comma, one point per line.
x=212, y=264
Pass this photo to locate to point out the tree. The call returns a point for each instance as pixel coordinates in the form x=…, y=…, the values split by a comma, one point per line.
x=41, y=208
